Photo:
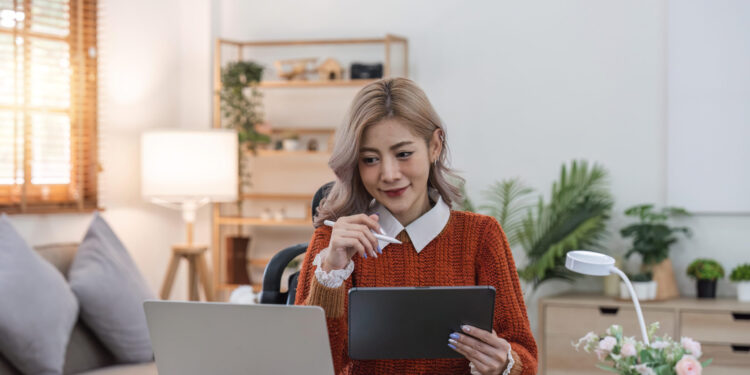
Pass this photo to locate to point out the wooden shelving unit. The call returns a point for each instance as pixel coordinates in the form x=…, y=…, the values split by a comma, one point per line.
x=221, y=285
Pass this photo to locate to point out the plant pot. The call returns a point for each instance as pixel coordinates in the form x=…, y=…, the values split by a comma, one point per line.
x=743, y=291
x=706, y=288
x=664, y=277
x=644, y=290
x=236, y=260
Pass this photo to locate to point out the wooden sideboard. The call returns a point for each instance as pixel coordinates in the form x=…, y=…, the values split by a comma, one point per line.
x=722, y=326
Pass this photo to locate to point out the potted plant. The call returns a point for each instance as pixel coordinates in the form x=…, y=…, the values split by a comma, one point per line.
x=575, y=217
x=652, y=236
x=741, y=276
x=707, y=272
x=241, y=111
x=643, y=285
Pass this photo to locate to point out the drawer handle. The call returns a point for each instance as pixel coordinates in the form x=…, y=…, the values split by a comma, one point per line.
x=741, y=316
x=741, y=348
x=609, y=310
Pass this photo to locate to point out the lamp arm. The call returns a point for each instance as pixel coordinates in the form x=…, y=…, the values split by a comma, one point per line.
x=638, y=310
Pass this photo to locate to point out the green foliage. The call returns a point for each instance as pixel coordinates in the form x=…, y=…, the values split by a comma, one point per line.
x=651, y=234
x=574, y=218
x=641, y=277
x=242, y=111
x=740, y=273
x=509, y=204
x=465, y=204
x=705, y=269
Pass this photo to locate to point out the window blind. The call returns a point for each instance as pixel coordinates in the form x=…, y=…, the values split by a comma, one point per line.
x=48, y=92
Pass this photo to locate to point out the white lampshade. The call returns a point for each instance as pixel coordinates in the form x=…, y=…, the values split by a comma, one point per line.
x=183, y=165
x=589, y=263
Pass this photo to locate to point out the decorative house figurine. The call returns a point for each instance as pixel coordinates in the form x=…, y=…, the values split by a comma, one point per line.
x=330, y=70
x=294, y=69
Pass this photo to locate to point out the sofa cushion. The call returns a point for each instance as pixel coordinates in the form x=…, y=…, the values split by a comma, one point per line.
x=111, y=292
x=59, y=255
x=38, y=309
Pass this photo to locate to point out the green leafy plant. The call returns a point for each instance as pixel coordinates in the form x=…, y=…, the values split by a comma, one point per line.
x=705, y=269
x=651, y=234
x=740, y=273
x=242, y=111
x=641, y=277
x=574, y=218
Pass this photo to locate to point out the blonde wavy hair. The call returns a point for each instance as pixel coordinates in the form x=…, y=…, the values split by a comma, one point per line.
x=391, y=98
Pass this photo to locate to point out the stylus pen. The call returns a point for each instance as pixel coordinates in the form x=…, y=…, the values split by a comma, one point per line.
x=378, y=236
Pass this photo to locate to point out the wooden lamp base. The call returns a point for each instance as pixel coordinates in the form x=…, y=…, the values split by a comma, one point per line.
x=194, y=254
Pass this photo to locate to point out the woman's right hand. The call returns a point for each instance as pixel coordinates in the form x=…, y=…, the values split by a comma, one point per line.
x=351, y=235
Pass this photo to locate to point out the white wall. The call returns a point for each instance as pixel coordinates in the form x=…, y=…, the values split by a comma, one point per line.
x=522, y=87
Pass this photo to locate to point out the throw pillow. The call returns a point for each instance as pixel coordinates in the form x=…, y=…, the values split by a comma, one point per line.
x=37, y=310
x=111, y=291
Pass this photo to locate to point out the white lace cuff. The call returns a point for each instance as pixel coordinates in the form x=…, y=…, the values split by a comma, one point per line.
x=511, y=362
x=332, y=279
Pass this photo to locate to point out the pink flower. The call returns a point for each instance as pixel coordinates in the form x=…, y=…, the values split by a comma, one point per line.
x=607, y=344
x=628, y=350
x=601, y=354
x=688, y=365
x=692, y=346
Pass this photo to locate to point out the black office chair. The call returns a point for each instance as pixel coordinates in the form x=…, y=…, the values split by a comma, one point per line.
x=271, y=293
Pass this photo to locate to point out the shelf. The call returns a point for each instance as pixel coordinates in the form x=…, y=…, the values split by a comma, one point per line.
x=389, y=38
x=228, y=220
x=258, y=261
x=301, y=197
x=290, y=153
x=296, y=84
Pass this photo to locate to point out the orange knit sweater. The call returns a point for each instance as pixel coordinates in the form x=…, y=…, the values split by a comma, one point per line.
x=471, y=250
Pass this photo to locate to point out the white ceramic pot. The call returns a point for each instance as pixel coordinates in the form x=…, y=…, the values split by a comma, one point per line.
x=645, y=291
x=743, y=291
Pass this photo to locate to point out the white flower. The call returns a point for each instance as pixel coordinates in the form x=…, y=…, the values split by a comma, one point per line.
x=628, y=350
x=614, y=329
x=585, y=340
x=644, y=370
x=607, y=344
x=692, y=346
x=659, y=344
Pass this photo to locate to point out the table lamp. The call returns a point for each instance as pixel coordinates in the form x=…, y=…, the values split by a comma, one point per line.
x=597, y=264
x=184, y=170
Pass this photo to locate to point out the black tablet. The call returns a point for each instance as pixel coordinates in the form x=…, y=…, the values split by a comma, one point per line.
x=414, y=322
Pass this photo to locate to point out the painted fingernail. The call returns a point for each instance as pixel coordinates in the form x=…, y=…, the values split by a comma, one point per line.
x=454, y=335
x=452, y=341
x=451, y=346
x=380, y=250
x=365, y=255
x=466, y=328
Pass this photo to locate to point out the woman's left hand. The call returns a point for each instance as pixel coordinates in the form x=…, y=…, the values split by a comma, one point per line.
x=485, y=350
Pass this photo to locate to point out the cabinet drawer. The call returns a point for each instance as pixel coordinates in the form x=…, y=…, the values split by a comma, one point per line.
x=575, y=321
x=727, y=359
x=716, y=327
x=561, y=358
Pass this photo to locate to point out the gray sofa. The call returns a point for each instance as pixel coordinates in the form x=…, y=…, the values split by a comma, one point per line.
x=84, y=354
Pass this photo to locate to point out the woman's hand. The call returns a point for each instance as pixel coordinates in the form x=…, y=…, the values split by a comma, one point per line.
x=487, y=352
x=351, y=235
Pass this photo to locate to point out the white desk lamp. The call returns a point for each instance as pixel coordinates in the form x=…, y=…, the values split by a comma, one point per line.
x=184, y=170
x=597, y=264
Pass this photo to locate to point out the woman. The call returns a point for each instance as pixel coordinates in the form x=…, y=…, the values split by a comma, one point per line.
x=390, y=160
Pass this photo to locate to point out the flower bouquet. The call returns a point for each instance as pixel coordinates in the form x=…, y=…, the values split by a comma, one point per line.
x=627, y=356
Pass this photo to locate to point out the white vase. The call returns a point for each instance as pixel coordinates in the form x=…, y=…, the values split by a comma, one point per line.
x=743, y=291
x=644, y=290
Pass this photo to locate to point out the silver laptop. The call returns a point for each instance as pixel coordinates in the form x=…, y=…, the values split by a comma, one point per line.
x=192, y=338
